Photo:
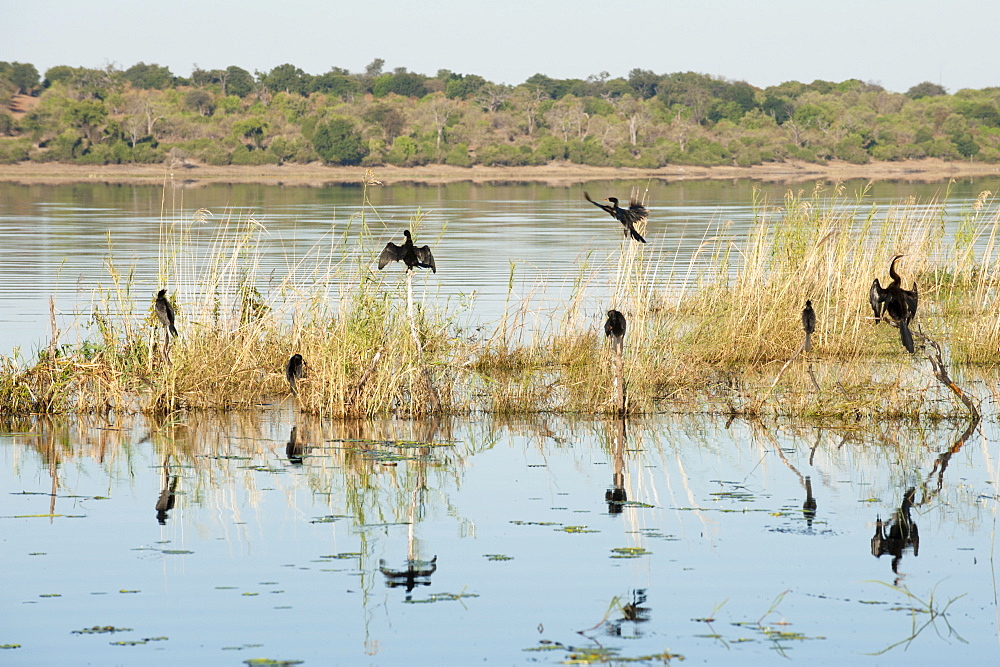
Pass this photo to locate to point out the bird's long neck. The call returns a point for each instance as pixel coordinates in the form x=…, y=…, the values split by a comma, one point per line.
x=892, y=274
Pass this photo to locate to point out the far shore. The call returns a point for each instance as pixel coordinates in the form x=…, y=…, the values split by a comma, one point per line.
x=556, y=174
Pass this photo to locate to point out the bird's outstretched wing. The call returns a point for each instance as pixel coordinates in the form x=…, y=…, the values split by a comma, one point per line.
x=607, y=209
x=425, y=258
x=637, y=212
x=391, y=253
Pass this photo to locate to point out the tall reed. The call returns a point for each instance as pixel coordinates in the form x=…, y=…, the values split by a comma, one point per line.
x=714, y=343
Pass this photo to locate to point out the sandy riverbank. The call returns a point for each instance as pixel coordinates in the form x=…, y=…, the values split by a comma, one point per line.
x=929, y=170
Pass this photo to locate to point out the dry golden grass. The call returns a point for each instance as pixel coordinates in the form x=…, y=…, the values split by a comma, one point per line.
x=719, y=344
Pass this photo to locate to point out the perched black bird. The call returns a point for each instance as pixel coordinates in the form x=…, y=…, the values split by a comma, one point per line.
x=294, y=369
x=614, y=328
x=895, y=305
x=629, y=217
x=408, y=253
x=165, y=312
x=808, y=322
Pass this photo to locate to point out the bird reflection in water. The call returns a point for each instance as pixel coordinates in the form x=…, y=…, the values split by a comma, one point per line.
x=616, y=496
x=416, y=573
x=898, y=534
x=295, y=448
x=809, y=506
x=168, y=494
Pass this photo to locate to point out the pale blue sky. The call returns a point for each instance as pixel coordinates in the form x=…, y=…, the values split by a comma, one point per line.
x=896, y=43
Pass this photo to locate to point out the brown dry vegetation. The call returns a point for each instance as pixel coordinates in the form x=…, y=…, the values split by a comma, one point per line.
x=717, y=345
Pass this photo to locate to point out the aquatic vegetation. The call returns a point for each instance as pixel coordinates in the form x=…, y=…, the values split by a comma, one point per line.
x=714, y=344
x=924, y=613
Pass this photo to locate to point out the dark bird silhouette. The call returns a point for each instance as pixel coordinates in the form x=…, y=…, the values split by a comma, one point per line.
x=897, y=534
x=168, y=496
x=294, y=369
x=614, y=328
x=809, y=506
x=294, y=449
x=895, y=305
x=629, y=217
x=408, y=253
x=808, y=323
x=165, y=312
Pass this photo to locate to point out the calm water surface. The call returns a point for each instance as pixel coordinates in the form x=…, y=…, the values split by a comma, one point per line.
x=202, y=540
x=766, y=530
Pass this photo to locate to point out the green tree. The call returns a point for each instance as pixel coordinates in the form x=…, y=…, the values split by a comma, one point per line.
x=253, y=128
x=404, y=83
x=87, y=116
x=643, y=82
x=925, y=89
x=200, y=101
x=24, y=76
x=463, y=86
x=149, y=77
x=287, y=78
x=337, y=82
x=337, y=142
x=237, y=81
x=6, y=124
x=389, y=119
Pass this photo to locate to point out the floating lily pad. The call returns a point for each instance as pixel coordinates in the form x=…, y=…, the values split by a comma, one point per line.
x=536, y=523
x=629, y=552
x=443, y=597
x=100, y=629
x=138, y=642
x=578, y=529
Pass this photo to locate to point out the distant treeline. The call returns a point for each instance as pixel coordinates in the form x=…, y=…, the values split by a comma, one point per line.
x=229, y=116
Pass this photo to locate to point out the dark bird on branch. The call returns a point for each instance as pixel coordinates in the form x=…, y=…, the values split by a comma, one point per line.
x=408, y=253
x=165, y=312
x=294, y=369
x=614, y=328
x=808, y=323
x=629, y=217
x=895, y=305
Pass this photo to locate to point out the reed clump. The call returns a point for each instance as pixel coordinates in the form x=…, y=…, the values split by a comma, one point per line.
x=721, y=341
